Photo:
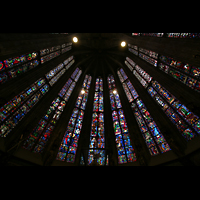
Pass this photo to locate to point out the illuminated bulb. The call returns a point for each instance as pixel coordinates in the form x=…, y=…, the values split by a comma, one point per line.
x=75, y=39
x=82, y=91
x=123, y=44
x=114, y=91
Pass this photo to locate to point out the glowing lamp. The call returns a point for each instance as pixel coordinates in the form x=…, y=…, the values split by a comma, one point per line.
x=123, y=44
x=75, y=39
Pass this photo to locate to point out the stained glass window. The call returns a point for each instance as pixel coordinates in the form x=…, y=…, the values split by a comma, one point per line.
x=16, y=109
x=41, y=133
x=188, y=116
x=183, y=35
x=127, y=84
x=68, y=60
x=128, y=94
x=148, y=59
x=149, y=53
x=144, y=74
x=123, y=74
x=66, y=49
x=184, y=72
x=49, y=56
x=2, y=67
x=133, y=46
x=55, y=78
x=164, y=97
x=164, y=68
x=154, y=139
x=96, y=151
x=135, y=34
x=138, y=72
x=68, y=87
x=82, y=162
x=176, y=64
x=150, y=131
x=128, y=65
x=13, y=67
x=195, y=71
x=167, y=102
x=10, y=116
x=132, y=89
x=70, y=64
x=12, y=62
x=123, y=142
x=133, y=51
x=53, y=52
x=69, y=144
x=54, y=74
x=148, y=34
x=169, y=97
x=54, y=71
x=142, y=81
x=74, y=73
x=65, y=88
x=177, y=70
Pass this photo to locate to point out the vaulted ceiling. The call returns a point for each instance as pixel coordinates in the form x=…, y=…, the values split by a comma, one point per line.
x=99, y=52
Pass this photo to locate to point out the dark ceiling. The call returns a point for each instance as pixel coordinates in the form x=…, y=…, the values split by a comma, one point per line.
x=99, y=53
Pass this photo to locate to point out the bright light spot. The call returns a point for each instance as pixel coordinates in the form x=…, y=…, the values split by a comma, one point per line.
x=115, y=91
x=82, y=91
x=75, y=39
x=123, y=44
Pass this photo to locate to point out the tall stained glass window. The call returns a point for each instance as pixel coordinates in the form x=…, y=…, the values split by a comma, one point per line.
x=153, y=137
x=69, y=144
x=13, y=67
x=186, y=121
x=187, y=74
x=52, y=52
x=15, y=110
x=122, y=137
x=183, y=72
x=54, y=74
x=139, y=73
x=40, y=135
x=97, y=138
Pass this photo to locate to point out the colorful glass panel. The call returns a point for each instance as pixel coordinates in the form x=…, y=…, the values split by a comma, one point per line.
x=29, y=97
x=181, y=110
x=123, y=141
x=69, y=144
x=97, y=138
x=154, y=130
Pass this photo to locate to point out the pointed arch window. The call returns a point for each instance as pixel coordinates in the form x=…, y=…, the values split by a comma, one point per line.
x=153, y=137
x=69, y=144
x=40, y=135
x=16, y=109
x=185, y=121
x=124, y=147
x=187, y=74
x=13, y=67
x=97, y=151
x=183, y=72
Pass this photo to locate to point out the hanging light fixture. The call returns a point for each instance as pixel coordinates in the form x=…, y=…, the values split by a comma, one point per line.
x=75, y=39
x=123, y=44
